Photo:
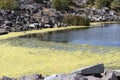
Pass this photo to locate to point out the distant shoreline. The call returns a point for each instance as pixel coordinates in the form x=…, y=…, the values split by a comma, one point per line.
x=17, y=34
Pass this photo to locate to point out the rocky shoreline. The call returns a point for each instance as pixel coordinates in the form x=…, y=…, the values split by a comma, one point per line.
x=30, y=16
x=95, y=72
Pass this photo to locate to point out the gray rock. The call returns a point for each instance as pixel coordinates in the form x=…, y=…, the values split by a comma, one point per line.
x=71, y=77
x=7, y=78
x=32, y=77
x=61, y=77
x=110, y=76
x=53, y=20
x=52, y=77
x=55, y=26
x=3, y=31
x=96, y=69
x=88, y=78
x=116, y=72
x=45, y=19
x=47, y=25
x=81, y=77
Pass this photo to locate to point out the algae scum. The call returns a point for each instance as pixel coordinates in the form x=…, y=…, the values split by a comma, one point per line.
x=37, y=53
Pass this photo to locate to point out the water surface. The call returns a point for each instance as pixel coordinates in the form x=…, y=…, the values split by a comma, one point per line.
x=109, y=35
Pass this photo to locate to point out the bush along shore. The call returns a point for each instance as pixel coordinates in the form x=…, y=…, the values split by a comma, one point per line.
x=34, y=14
x=95, y=72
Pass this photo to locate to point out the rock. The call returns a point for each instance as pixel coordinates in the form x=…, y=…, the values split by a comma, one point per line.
x=47, y=25
x=52, y=77
x=61, y=77
x=7, y=78
x=110, y=76
x=81, y=77
x=41, y=25
x=32, y=26
x=116, y=72
x=53, y=20
x=8, y=23
x=32, y=77
x=67, y=77
x=71, y=77
x=55, y=26
x=3, y=31
x=45, y=19
x=88, y=78
x=96, y=69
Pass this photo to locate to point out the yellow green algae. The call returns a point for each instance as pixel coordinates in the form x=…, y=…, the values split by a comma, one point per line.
x=16, y=61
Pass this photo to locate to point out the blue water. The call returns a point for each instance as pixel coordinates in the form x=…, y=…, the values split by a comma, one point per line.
x=109, y=35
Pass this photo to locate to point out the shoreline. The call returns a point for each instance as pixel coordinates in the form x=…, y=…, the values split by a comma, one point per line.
x=17, y=34
x=16, y=60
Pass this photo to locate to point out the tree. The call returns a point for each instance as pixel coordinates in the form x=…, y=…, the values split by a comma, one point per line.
x=7, y=4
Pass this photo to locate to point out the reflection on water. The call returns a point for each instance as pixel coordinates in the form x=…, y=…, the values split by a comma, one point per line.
x=108, y=36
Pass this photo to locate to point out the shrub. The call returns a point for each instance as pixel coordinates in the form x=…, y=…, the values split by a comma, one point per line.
x=62, y=4
x=76, y=20
x=103, y=3
x=115, y=5
x=91, y=2
x=7, y=4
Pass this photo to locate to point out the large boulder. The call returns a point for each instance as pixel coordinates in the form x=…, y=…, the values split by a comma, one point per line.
x=95, y=69
x=3, y=31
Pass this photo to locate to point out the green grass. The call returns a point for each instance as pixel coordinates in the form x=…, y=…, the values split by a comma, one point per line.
x=16, y=61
